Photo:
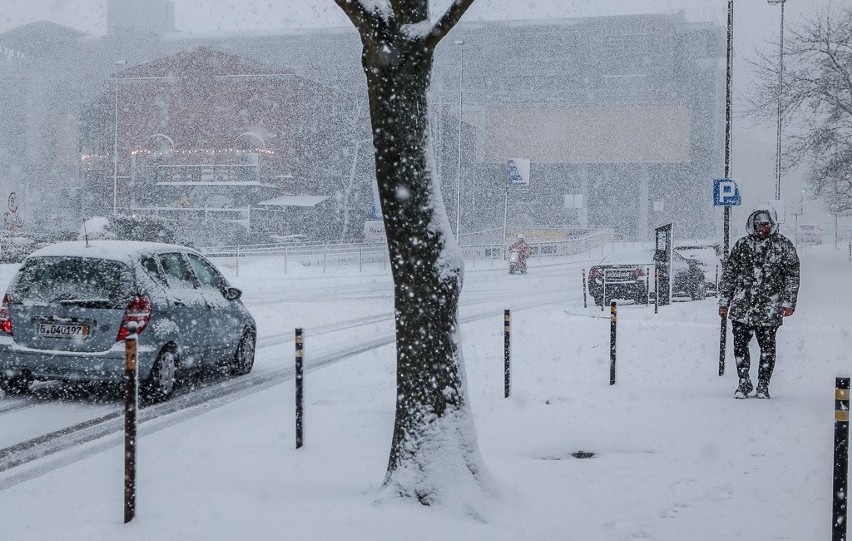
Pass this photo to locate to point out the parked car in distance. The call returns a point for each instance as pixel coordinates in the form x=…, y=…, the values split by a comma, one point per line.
x=809, y=234
x=629, y=275
x=66, y=313
x=709, y=254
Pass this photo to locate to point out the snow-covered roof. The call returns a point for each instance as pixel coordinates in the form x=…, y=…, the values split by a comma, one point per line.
x=125, y=251
x=294, y=201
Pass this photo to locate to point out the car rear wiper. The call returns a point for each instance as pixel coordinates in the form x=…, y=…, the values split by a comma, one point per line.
x=88, y=303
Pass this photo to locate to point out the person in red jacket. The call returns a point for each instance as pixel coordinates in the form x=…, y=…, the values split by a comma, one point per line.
x=524, y=251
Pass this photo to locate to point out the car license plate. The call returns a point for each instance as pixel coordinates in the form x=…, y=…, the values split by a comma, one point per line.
x=619, y=275
x=63, y=330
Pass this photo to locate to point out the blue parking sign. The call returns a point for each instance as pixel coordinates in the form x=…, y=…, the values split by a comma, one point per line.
x=726, y=193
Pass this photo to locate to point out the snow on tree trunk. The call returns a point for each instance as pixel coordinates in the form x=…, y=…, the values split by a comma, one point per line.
x=434, y=453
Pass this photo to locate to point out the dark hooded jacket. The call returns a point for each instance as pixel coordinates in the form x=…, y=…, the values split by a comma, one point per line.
x=760, y=277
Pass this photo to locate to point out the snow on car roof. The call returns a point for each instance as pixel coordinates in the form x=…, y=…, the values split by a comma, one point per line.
x=118, y=250
x=643, y=257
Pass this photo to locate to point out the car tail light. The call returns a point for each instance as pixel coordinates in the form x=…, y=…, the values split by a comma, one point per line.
x=138, y=311
x=5, y=316
x=594, y=272
x=639, y=272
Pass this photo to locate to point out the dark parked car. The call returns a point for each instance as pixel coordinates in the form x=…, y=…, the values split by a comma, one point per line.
x=67, y=310
x=630, y=274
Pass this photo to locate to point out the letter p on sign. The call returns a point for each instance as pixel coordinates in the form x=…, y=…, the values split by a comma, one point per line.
x=725, y=192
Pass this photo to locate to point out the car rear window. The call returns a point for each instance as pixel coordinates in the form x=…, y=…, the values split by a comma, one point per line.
x=73, y=280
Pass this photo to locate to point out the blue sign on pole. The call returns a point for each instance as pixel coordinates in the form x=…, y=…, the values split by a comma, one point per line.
x=726, y=193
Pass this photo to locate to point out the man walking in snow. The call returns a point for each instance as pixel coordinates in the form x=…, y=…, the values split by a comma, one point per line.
x=759, y=287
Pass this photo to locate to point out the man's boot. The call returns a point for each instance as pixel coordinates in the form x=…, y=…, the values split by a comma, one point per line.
x=763, y=375
x=745, y=385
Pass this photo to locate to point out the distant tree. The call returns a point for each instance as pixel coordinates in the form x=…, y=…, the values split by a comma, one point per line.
x=816, y=103
x=434, y=440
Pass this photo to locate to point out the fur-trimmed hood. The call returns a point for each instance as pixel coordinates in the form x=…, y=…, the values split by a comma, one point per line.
x=773, y=219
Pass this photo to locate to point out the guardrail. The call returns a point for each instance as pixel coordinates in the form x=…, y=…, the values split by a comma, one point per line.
x=322, y=256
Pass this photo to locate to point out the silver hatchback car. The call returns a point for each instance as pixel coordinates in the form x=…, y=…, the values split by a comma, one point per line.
x=66, y=313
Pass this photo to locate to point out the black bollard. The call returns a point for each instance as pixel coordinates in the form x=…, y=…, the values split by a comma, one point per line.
x=131, y=405
x=841, y=460
x=585, y=305
x=656, y=290
x=647, y=285
x=299, y=388
x=613, y=310
x=506, y=352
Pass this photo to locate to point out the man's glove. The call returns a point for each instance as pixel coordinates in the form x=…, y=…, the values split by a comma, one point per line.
x=723, y=311
x=786, y=311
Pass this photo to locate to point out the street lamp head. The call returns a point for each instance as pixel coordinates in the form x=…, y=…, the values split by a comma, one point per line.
x=775, y=2
x=459, y=42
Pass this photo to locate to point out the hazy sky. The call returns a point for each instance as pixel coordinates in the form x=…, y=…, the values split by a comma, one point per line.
x=755, y=16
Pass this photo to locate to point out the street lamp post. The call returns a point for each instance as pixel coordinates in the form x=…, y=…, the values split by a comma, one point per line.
x=780, y=93
x=460, y=43
x=115, y=141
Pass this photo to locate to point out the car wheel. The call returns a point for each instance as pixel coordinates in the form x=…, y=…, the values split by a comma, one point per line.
x=16, y=385
x=160, y=384
x=244, y=356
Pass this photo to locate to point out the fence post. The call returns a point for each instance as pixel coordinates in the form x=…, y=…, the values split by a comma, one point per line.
x=299, y=388
x=285, y=260
x=324, y=255
x=237, y=257
x=360, y=258
x=585, y=305
x=131, y=405
x=613, y=310
x=841, y=460
x=506, y=352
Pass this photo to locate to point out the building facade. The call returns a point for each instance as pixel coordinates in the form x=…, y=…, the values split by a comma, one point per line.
x=621, y=116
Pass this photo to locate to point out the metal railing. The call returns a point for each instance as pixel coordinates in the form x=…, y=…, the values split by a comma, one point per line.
x=323, y=256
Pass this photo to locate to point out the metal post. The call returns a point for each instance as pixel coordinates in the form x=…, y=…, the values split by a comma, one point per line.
x=115, y=142
x=840, y=488
x=717, y=280
x=460, y=43
x=780, y=96
x=299, y=388
x=285, y=260
x=585, y=305
x=131, y=405
x=237, y=259
x=506, y=352
x=613, y=310
x=603, y=296
x=723, y=334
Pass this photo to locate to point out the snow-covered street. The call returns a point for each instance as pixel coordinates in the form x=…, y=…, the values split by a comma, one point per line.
x=675, y=456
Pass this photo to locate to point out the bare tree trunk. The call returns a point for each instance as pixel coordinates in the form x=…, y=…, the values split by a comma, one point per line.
x=434, y=440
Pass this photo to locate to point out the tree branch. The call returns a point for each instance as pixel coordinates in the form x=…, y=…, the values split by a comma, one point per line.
x=357, y=13
x=447, y=22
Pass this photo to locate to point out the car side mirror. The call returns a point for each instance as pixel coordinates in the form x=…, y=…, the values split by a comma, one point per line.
x=231, y=293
